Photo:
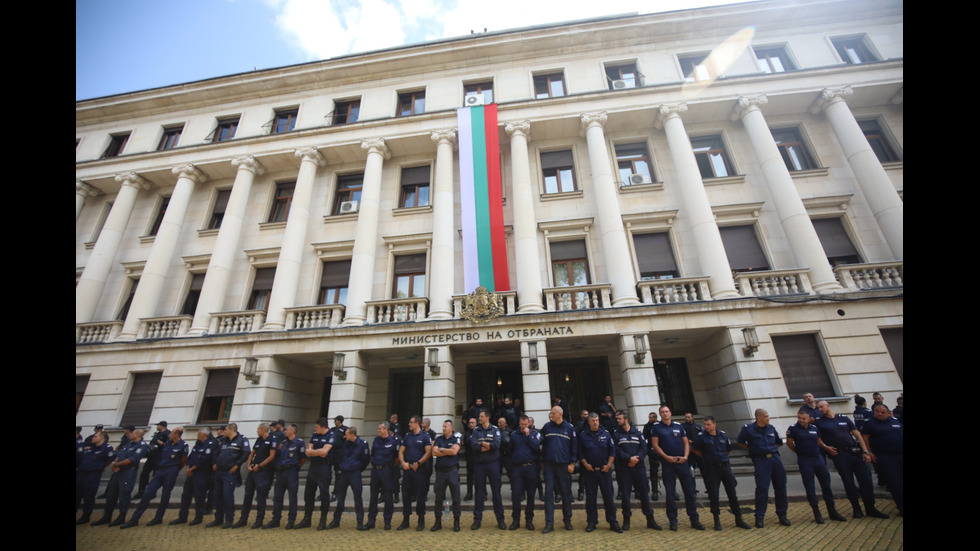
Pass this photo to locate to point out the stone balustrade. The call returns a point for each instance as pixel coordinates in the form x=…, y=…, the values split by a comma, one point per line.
x=672, y=291
x=309, y=317
x=163, y=327
x=770, y=283
x=579, y=297
x=396, y=310
x=876, y=275
x=97, y=332
x=237, y=322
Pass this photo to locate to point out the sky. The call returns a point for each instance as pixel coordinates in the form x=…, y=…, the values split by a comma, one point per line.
x=129, y=45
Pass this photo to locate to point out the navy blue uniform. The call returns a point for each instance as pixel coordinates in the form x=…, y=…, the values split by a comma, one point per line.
x=199, y=472
x=526, y=457
x=763, y=443
x=415, y=483
x=811, y=462
x=487, y=466
x=89, y=464
x=122, y=482
x=156, y=443
x=888, y=446
x=171, y=459
x=837, y=432
x=384, y=455
x=670, y=439
x=447, y=473
x=354, y=457
x=259, y=483
x=559, y=450
x=596, y=448
x=653, y=460
x=292, y=454
x=231, y=454
x=717, y=469
x=861, y=416
x=319, y=476
x=632, y=444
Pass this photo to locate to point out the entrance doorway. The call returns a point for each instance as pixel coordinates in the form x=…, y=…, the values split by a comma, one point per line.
x=674, y=383
x=494, y=382
x=582, y=383
x=405, y=388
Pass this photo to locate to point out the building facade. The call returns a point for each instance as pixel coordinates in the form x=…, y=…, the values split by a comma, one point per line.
x=701, y=208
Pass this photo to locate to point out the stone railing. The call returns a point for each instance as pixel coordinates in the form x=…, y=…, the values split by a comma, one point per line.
x=308, y=317
x=237, y=322
x=773, y=283
x=396, y=310
x=97, y=332
x=506, y=301
x=163, y=327
x=670, y=291
x=877, y=275
x=579, y=297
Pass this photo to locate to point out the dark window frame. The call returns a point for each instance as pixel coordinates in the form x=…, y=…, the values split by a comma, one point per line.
x=854, y=50
x=331, y=276
x=650, y=253
x=170, y=138
x=218, y=210
x=632, y=161
x=261, y=288
x=117, y=142
x=482, y=88
x=705, y=157
x=803, y=365
x=284, y=120
x=879, y=142
x=544, y=85
x=407, y=269
x=413, y=190
x=689, y=64
x=161, y=212
x=346, y=112
x=226, y=130
x=556, y=171
x=623, y=71
x=409, y=103
x=279, y=212
x=793, y=149
x=347, y=192
x=217, y=403
x=764, y=56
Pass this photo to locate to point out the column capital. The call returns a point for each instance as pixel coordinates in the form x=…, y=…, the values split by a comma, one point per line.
x=744, y=104
x=589, y=120
x=311, y=154
x=444, y=136
x=81, y=188
x=376, y=145
x=668, y=111
x=248, y=162
x=520, y=128
x=829, y=96
x=132, y=179
x=190, y=172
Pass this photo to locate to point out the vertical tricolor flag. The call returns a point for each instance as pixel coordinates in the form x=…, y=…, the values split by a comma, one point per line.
x=481, y=199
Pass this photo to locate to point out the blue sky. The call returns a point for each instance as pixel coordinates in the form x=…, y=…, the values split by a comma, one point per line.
x=128, y=45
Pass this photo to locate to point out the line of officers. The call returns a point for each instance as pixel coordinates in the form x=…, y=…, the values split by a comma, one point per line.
x=275, y=458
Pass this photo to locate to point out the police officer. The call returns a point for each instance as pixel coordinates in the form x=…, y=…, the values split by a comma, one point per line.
x=384, y=461
x=259, y=482
x=849, y=452
x=804, y=439
x=470, y=454
x=597, y=457
x=485, y=441
x=558, y=457
x=669, y=441
x=693, y=430
x=354, y=457
x=92, y=459
x=445, y=449
x=763, y=441
x=157, y=441
x=415, y=451
x=714, y=448
x=653, y=460
x=811, y=405
x=232, y=452
x=884, y=434
x=505, y=445
x=291, y=456
x=123, y=478
x=173, y=456
x=861, y=412
x=319, y=475
x=198, y=473
x=631, y=450
x=526, y=457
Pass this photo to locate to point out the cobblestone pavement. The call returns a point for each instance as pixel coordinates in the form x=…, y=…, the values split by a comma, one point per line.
x=863, y=534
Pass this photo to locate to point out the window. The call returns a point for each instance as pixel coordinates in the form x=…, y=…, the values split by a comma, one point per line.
x=284, y=121
x=895, y=343
x=411, y=103
x=124, y=310
x=558, y=169
x=261, y=289
x=623, y=76
x=116, y=145
x=346, y=111
x=484, y=89
x=348, y=190
x=793, y=150
x=773, y=59
x=570, y=268
x=743, y=249
x=100, y=223
x=836, y=244
x=551, y=85
x=654, y=256
x=170, y=137
x=218, y=212
x=693, y=67
x=141, y=398
x=193, y=295
x=161, y=212
x=225, y=130
x=281, y=202
x=219, y=394
x=802, y=365
x=333, y=282
x=409, y=276
x=81, y=383
x=711, y=157
x=853, y=50
x=633, y=159
x=674, y=383
x=876, y=139
x=415, y=187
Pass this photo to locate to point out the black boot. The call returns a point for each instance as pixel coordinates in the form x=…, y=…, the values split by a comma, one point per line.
x=626, y=524
x=856, y=507
x=403, y=525
x=437, y=526
x=817, y=517
x=305, y=523
x=718, y=523
x=872, y=512
x=652, y=523
x=833, y=514
x=739, y=522
x=242, y=522
x=120, y=520
x=455, y=524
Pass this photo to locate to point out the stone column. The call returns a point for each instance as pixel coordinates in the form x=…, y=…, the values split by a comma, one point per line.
x=439, y=394
x=615, y=249
x=871, y=177
x=537, y=386
x=366, y=234
x=146, y=301
x=803, y=238
x=442, y=278
x=348, y=391
x=283, y=293
x=639, y=379
x=225, y=245
x=83, y=190
x=525, y=230
x=90, y=286
x=707, y=238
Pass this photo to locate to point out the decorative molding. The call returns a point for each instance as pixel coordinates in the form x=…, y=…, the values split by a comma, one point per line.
x=829, y=96
x=248, y=162
x=378, y=146
x=746, y=104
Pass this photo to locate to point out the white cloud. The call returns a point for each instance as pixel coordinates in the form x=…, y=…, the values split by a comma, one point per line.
x=323, y=29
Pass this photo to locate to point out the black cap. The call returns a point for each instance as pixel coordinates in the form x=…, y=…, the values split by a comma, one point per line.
x=162, y=424
x=99, y=427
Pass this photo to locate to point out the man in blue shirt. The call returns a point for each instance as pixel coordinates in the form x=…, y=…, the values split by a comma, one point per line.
x=259, y=465
x=232, y=452
x=445, y=449
x=631, y=450
x=292, y=456
x=415, y=451
x=172, y=458
x=598, y=454
x=670, y=442
x=93, y=458
x=804, y=439
x=560, y=453
x=526, y=454
x=198, y=479
x=884, y=434
x=485, y=441
x=714, y=447
x=354, y=457
x=123, y=478
x=384, y=461
x=763, y=441
x=319, y=475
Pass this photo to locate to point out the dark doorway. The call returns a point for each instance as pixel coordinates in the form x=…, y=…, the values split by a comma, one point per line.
x=674, y=383
x=325, y=398
x=582, y=383
x=405, y=388
x=492, y=382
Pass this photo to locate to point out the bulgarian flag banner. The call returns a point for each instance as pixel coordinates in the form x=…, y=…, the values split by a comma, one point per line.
x=481, y=199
